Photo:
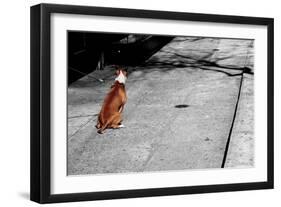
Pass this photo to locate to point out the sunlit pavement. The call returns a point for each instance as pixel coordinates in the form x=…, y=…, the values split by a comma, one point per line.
x=180, y=110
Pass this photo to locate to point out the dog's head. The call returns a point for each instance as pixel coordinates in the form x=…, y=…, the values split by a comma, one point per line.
x=121, y=75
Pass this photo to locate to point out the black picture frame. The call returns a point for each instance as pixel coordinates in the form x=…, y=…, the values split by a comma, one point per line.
x=41, y=94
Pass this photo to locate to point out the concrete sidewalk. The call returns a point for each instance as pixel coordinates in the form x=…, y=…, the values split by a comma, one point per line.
x=178, y=116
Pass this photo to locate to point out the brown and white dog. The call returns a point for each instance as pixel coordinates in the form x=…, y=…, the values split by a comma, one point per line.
x=113, y=105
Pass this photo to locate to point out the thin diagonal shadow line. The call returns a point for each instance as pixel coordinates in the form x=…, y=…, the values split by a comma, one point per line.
x=235, y=113
x=232, y=124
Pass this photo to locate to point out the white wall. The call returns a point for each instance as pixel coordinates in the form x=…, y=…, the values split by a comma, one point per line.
x=14, y=110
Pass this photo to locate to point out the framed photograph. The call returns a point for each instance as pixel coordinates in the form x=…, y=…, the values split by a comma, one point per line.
x=132, y=103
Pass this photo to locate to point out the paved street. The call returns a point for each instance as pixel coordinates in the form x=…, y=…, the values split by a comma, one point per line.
x=179, y=113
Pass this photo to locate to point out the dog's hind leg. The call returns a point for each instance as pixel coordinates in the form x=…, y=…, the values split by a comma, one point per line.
x=110, y=123
x=116, y=122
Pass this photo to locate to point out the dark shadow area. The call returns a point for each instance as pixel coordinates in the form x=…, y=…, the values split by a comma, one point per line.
x=85, y=52
x=93, y=51
x=170, y=58
x=168, y=66
x=181, y=61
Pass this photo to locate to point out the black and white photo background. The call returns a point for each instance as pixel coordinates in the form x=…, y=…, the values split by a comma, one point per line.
x=190, y=103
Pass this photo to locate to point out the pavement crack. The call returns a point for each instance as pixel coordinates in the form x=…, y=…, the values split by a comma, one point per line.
x=81, y=116
x=81, y=126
